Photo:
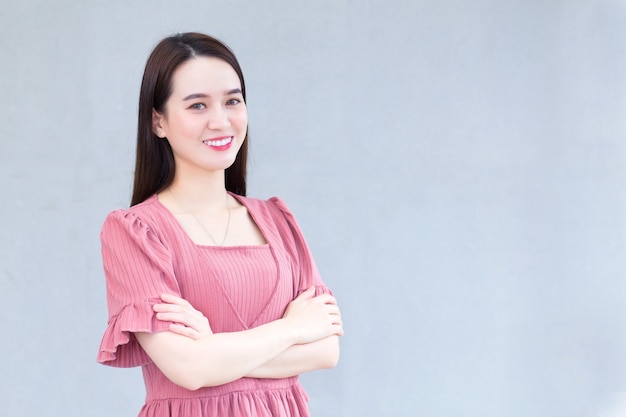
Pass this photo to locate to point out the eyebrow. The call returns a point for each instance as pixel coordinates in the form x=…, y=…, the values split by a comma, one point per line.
x=202, y=95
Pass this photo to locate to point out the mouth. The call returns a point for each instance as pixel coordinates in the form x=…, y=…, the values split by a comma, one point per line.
x=219, y=143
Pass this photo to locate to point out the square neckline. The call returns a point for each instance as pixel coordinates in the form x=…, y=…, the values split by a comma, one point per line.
x=241, y=201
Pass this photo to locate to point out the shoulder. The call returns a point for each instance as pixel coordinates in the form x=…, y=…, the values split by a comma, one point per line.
x=141, y=218
x=272, y=213
x=273, y=206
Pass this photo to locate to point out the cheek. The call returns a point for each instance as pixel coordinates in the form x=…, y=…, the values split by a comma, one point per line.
x=241, y=120
x=177, y=125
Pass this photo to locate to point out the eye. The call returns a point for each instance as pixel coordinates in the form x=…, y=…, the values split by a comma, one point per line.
x=197, y=106
x=233, y=102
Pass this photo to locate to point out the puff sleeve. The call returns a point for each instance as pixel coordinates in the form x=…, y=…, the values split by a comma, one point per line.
x=306, y=273
x=138, y=269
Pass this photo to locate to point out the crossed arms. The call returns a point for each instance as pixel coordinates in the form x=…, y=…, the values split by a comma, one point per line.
x=192, y=356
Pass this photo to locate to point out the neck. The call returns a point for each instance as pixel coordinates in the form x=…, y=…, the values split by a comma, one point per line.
x=194, y=192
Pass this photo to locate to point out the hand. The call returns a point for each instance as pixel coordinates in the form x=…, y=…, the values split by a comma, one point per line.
x=186, y=320
x=314, y=318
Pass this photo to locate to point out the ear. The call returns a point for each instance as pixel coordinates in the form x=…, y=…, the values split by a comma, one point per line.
x=157, y=124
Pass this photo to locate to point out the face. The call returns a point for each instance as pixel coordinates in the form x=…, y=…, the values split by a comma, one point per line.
x=205, y=118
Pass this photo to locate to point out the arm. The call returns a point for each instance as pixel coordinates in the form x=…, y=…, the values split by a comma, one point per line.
x=215, y=359
x=322, y=354
x=298, y=359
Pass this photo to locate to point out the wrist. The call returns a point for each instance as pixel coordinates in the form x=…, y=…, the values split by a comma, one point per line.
x=291, y=330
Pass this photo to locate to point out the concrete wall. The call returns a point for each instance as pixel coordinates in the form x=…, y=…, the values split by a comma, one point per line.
x=457, y=166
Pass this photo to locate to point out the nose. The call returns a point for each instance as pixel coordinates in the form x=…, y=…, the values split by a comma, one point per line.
x=218, y=119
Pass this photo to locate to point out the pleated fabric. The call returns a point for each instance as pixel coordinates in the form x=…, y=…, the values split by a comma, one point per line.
x=146, y=253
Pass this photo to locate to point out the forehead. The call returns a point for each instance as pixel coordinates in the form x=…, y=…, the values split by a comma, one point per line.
x=205, y=75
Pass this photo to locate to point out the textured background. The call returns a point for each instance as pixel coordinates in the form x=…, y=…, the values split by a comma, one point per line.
x=457, y=166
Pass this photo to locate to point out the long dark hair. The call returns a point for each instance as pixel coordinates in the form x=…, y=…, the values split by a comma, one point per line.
x=154, y=166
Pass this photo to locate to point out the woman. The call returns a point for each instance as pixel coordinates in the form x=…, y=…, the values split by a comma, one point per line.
x=214, y=294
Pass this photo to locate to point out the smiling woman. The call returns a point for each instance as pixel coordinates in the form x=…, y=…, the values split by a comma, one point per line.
x=206, y=107
x=215, y=294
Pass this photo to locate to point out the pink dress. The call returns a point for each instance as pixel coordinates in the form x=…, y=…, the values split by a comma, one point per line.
x=147, y=253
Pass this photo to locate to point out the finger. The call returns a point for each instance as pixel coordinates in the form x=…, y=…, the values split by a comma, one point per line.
x=167, y=308
x=173, y=299
x=184, y=331
x=338, y=325
x=308, y=293
x=175, y=308
x=186, y=319
x=332, y=309
x=326, y=299
x=174, y=317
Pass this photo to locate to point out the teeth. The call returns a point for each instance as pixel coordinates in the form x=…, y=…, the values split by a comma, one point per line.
x=220, y=142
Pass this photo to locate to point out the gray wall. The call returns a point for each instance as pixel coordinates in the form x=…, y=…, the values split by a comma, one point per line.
x=457, y=166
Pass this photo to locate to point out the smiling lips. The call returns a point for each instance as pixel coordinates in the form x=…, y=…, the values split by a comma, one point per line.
x=219, y=144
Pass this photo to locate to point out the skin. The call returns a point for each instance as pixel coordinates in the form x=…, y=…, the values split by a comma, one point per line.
x=206, y=104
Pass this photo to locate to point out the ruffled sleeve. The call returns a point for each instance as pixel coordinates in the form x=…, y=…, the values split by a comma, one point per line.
x=138, y=269
x=306, y=273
